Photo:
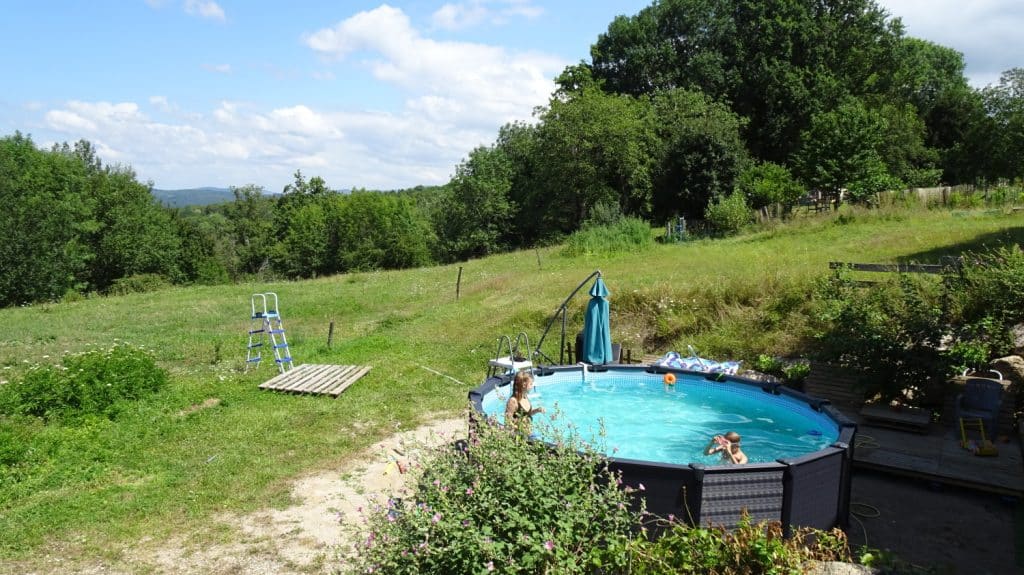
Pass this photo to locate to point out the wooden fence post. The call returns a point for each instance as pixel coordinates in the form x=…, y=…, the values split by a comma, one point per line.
x=458, y=284
x=330, y=334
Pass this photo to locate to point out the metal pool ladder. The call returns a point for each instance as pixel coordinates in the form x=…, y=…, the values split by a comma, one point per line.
x=514, y=360
x=266, y=327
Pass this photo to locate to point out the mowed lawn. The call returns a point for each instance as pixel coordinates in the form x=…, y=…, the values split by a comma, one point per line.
x=91, y=489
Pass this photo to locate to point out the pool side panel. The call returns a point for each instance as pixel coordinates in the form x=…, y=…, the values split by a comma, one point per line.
x=667, y=489
x=729, y=491
x=814, y=487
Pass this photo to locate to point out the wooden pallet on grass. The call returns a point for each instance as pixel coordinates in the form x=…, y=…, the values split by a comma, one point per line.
x=317, y=379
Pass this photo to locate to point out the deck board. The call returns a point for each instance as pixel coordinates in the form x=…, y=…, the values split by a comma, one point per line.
x=937, y=457
x=317, y=379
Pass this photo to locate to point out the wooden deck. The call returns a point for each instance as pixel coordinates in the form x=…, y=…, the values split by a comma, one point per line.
x=937, y=457
x=317, y=379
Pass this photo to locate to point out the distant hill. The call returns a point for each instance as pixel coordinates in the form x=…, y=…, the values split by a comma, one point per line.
x=193, y=196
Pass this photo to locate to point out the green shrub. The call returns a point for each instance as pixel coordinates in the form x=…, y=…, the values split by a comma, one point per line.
x=503, y=504
x=889, y=332
x=89, y=383
x=138, y=283
x=750, y=549
x=989, y=285
x=727, y=215
x=625, y=235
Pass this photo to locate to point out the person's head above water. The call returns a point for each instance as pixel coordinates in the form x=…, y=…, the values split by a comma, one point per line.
x=522, y=383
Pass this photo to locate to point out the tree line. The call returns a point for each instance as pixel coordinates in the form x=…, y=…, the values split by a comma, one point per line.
x=687, y=108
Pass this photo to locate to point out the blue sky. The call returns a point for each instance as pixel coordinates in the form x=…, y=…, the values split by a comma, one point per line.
x=364, y=94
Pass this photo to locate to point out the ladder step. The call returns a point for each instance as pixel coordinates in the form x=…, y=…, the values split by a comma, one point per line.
x=281, y=346
x=277, y=331
x=284, y=360
x=254, y=359
x=252, y=345
x=255, y=331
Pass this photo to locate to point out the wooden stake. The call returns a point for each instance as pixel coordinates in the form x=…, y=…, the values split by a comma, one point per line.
x=458, y=284
x=330, y=334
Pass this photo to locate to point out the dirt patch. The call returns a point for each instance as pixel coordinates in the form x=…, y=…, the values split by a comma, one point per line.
x=952, y=530
x=206, y=404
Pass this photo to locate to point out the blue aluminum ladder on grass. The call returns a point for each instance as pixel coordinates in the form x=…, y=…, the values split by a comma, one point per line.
x=265, y=330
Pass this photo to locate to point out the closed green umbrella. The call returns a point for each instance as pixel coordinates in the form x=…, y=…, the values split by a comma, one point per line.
x=597, y=333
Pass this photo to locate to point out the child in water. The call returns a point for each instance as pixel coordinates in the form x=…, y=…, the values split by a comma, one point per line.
x=729, y=446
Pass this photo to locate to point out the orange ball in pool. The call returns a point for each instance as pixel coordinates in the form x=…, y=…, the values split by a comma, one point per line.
x=670, y=379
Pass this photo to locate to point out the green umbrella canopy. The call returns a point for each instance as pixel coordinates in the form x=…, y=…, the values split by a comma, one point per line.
x=597, y=333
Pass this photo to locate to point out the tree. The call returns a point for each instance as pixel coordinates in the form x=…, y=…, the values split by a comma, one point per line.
x=778, y=62
x=593, y=147
x=46, y=212
x=767, y=184
x=134, y=235
x=519, y=143
x=1004, y=104
x=700, y=152
x=251, y=216
x=376, y=230
x=476, y=213
x=841, y=147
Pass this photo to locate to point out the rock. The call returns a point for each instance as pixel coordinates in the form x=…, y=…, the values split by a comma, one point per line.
x=1012, y=368
x=837, y=568
x=1017, y=333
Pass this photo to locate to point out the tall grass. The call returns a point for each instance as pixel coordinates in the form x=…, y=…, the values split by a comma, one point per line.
x=169, y=462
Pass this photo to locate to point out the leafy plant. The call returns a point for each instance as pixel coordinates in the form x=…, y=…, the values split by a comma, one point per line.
x=626, y=235
x=93, y=382
x=727, y=215
x=504, y=504
x=138, y=283
x=889, y=332
x=752, y=548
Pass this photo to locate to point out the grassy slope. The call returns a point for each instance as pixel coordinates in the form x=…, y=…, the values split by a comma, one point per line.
x=157, y=471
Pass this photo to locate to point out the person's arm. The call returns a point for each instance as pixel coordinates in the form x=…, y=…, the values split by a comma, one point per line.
x=536, y=410
x=510, y=408
x=737, y=457
x=712, y=448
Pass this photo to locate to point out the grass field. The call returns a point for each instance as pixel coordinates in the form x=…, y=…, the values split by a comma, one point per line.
x=91, y=489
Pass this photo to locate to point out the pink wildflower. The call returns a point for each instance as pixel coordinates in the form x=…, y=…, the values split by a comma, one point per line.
x=549, y=545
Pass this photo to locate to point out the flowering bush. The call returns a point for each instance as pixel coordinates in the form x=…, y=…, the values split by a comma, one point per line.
x=92, y=382
x=503, y=504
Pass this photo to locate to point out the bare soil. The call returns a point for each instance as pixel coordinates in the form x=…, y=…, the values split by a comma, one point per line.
x=944, y=528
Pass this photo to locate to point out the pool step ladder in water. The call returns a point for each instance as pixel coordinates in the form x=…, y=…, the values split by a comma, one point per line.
x=266, y=330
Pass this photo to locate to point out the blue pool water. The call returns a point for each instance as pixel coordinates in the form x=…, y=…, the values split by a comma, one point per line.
x=646, y=419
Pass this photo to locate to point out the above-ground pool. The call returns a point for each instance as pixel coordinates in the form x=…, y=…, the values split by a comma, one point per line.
x=799, y=447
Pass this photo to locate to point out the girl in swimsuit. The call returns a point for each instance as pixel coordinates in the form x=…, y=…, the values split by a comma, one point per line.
x=518, y=410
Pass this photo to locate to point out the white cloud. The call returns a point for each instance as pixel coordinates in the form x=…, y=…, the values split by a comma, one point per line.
x=458, y=16
x=481, y=85
x=204, y=9
x=237, y=143
x=475, y=12
x=217, y=68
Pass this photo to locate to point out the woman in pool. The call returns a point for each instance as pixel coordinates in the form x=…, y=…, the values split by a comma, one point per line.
x=518, y=410
x=729, y=446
